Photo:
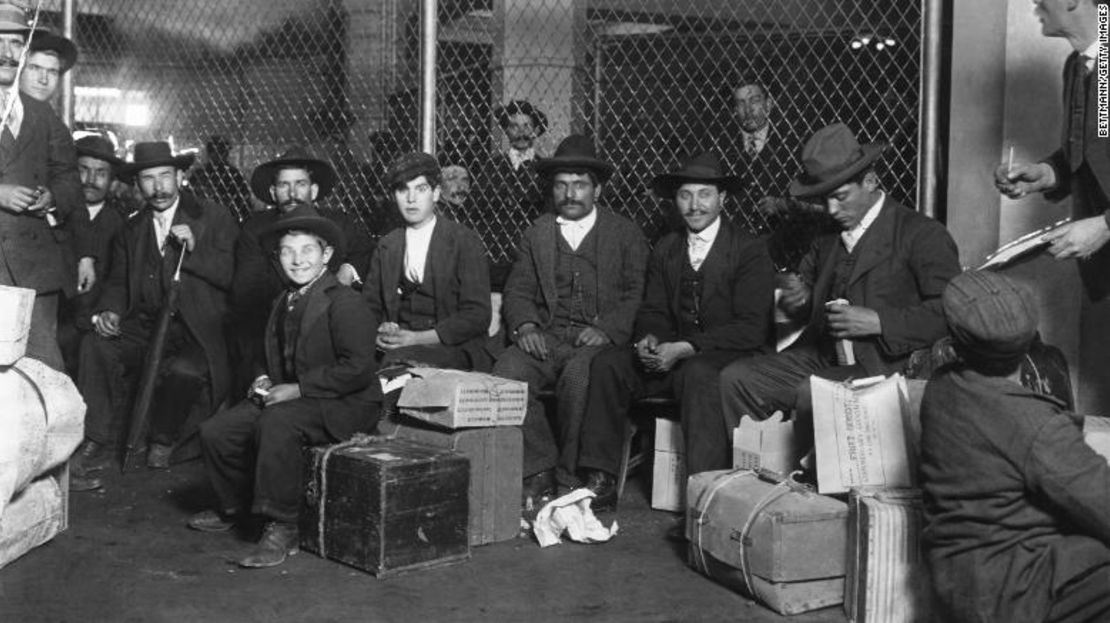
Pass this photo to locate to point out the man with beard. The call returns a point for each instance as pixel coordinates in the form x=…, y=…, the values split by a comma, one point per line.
x=194, y=370
x=871, y=292
x=295, y=178
x=38, y=173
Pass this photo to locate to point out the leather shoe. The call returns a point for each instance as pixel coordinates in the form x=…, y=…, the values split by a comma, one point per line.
x=604, y=486
x=535, y=488
x=90, y=457
x=279, y=539
x=211, y=521
x=84, y=482
x=158, y=456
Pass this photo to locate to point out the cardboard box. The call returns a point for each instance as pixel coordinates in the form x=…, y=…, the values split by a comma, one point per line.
x=668, y=477
x=1096, y=432
x=860, y=431
x=888, y=578
x=775, y=541
x=387, y=507
x=767, y=444
x=457, y=399
x=496, y=457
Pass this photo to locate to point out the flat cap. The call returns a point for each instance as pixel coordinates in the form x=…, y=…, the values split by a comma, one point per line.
x=992, y=317
x=409, y=166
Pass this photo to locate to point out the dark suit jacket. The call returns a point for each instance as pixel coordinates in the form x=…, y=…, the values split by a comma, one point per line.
x=1090, y=193
x=459, y=274
x=768, y=173
x=530, y=293
x=205, y=277
x=96, y=239
x=737, y=292
x=43, y=156
x=333, y=356
x=904, y=262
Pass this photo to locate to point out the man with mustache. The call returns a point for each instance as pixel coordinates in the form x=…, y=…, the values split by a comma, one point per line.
x=573, y=290
x=708, y=301
x=194, y=371
x=38, y=174
x=872, y=293
x=294, y=179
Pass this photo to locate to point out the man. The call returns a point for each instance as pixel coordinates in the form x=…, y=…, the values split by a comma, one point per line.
x=1081, y=166
x=295, y=178
x=38, y=173
x=314, y=386
x=219, y=181
x=708, y=302
x=573, y=290
x=194, y=372
x=456, y=187
x=428, y=286
x=50, y=56
x=1015, y=501
x=873, y=291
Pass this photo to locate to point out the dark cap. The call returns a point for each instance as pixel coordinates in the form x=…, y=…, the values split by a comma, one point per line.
x=992, y=317
x=410, y=166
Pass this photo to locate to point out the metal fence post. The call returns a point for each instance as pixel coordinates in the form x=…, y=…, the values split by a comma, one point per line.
x=428, y=29
x=929, y=161
x=69, y=23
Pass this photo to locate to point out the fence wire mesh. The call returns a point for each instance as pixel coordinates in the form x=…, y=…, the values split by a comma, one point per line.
x=648, y=80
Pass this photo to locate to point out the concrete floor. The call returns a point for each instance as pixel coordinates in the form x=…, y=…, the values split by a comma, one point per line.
x=128, y=557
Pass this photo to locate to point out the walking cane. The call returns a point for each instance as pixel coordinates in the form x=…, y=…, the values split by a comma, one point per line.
x=140, y=412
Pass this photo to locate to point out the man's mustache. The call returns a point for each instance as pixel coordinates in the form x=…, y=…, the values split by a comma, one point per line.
x=9, y=62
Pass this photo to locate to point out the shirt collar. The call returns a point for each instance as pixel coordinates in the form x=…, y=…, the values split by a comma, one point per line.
x=166, y=216
x=709, y=234
x=422, y=232
x=872, y=213
x=586, y=223
x=518, y=157
x=760, y=134
x=1092, y=50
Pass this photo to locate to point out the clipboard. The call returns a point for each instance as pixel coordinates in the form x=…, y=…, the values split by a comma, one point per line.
x=1029, y=243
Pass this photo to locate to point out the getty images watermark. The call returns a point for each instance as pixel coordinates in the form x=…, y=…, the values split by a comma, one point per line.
x=1102, y=70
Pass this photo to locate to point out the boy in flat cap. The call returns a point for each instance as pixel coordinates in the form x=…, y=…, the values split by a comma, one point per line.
x=315, y=385
x=1017, y=505
x=428, y=285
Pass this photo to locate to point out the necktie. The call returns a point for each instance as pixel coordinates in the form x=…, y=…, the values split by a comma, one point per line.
x=1076, y=114
x=697, y=252
x=751, y=145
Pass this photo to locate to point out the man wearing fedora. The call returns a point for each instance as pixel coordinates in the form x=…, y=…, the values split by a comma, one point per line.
x=1016, y=502
x=871, y=293
x=573, y=290
x=50, y=56
x=428, y=286
x=707, y=302
x=194, y=371
x=314, y=385
x=295, y=178
x=38, y=173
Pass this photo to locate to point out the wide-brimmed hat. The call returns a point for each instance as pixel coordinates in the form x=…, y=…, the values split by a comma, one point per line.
x=303, y=218
x=14, y=18
x=99, y=147
x=154, y=154
x=44, y=40
x=703, y=168
x=409, y=166
x=521, y=107
x=991, y=317
x=321, y=172
x=831, y=157
x=575, y=152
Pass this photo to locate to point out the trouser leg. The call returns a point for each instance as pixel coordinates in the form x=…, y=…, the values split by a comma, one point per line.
x=570, y=405
x=227, y=444
x=707, y=435
x=539, y=442
x=1086, y=598
x=759, y=386
x=282, y=433
x=182, y=379
x=103, y=376
x=615, y=381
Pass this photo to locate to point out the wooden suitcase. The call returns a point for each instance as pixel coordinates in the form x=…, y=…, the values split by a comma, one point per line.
x=386, y=505
x=774, y=540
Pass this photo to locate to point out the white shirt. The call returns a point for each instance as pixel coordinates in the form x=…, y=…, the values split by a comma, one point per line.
x=518, y=158
x=94, y=210
x=162, y=223
x=1092, y=54
x=574, y=231
x=16, y=120
x=417, y=242
x=699, y=243
x=756, y=140
x=851, y=237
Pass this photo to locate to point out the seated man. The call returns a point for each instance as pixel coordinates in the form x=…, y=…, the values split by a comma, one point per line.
x=574, y=288
x=1017, y=505
x=708, y=301
x=428, y=285
x=316, y=386
x=873, y=291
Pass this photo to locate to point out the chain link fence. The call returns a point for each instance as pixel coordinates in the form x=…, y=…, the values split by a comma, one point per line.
x=648, y=80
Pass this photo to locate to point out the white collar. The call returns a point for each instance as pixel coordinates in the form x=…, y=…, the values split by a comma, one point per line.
x=1092, y=51
x=852, y=236
x=94, y=209
x=518, y=157
x=424, y=232
x=167, y=215
x=709, y=234
x=584, y=224
x=760, y=134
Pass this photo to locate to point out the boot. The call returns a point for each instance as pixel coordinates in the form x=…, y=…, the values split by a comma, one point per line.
x=279, y=539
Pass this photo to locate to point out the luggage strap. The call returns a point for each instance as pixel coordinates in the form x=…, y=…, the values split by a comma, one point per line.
x=320, y=480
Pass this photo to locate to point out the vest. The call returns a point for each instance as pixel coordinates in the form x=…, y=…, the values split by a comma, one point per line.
x=689, y=300
x=576, y=281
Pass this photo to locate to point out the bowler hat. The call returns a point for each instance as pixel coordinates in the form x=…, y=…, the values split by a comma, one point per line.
x=296, y=157
x=991, y=317
x=410, y=166
x=303, y=218
x=43, y=40
x=13, y=18
x=575, y=152
x=703, y=168
x=521, y=107
x=99, y=147
x=151, y=155
x=831, y=157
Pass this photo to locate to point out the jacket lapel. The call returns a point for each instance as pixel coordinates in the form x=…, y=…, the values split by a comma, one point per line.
x=315, y=307
x=875, y=246
x=27, y=130
x=392, y=250
x=273, y=358
x=676, y=259
x=545, y=258
x=714, y=266
x=440, y=250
